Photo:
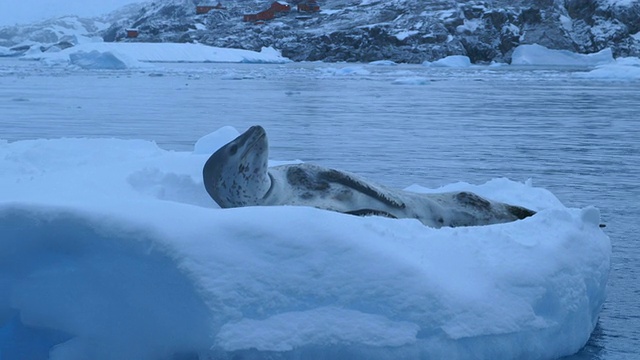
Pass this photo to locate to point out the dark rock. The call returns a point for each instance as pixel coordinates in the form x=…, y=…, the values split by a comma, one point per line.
x=531, y=16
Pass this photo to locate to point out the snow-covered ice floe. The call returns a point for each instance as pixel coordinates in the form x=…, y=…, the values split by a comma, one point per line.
x=345, y=71
x=539, y=55
x=4, y=51
x=130, y=54
x=411, y=80
x=623, y=69
x=383, y=63
x=457, y=61
x=112, y=249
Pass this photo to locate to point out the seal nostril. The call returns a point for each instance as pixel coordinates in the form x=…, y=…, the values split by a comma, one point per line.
x=233, y=149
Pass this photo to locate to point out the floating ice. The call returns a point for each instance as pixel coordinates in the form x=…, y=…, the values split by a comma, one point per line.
x=168, y=52
x=450, y=61
x=4, y=51
x=111, y=249
x=96, y=60
x=346, y=71
x=539, y=55
x=624, y=69
x=208, y=144
x=383, y=63
x=414, y=80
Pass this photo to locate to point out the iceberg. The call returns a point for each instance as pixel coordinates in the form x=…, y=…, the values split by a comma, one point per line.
x=539, y=55
x=457, y=61
x=623, y=69
x=163, y=52
x=96, y=60
x=111, y=249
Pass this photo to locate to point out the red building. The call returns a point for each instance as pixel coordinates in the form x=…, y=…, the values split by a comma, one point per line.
x=309, y=6
x=132, y=33
x=261, y=16
x=275, y=9
x=203, y=9
x=278, y=7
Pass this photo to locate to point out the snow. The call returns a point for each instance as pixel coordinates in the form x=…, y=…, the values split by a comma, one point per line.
x=566, y=22
x=450, y=61
x=405, y=34
x=27, y=11
x=540, y=55
x=112, y=249
x=624, y=69
x=623, y=3
x=162, y=52
x=636, y=36
x=469, y=26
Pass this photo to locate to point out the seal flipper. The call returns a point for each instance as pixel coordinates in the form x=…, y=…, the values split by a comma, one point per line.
x=477, y=202
x=370, y=212
x=374, y=191
x=520, y=212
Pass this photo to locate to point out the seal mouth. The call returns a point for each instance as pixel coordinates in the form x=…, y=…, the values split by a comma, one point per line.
x=256, y=136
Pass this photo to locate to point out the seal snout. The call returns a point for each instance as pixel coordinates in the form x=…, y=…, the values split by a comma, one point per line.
x=257, y=131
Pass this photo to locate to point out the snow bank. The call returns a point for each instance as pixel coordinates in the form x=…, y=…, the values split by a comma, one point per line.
x=624, y=69
x=165, y=52
x=540, y=55
x=111, y=249
x=450, y=61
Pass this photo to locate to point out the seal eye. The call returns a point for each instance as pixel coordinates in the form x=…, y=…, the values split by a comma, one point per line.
x=233, y=149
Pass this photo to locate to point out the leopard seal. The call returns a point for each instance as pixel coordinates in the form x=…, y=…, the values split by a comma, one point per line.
x=238, y=175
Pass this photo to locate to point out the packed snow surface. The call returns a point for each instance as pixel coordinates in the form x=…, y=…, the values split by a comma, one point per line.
x=131, y=53
x=540, y=55
x=112, y=249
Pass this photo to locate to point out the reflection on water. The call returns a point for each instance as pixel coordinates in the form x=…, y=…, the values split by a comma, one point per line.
x=576, y=137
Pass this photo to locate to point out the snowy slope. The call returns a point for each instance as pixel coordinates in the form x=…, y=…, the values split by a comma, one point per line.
x=61, y=32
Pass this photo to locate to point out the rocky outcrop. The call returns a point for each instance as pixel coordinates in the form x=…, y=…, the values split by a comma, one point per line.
x=408, y=31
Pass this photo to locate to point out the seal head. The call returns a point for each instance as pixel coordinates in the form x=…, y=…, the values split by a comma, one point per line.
x=236, y=174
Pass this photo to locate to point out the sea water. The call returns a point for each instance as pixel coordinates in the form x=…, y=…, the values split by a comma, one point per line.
x=397, y=125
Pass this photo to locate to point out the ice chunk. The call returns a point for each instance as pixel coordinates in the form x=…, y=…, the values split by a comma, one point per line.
x=208, y=144
x=450, y=61
x=109, y=251
x=539, y=55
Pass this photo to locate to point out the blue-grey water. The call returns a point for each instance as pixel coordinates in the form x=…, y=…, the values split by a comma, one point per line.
x=577, y=137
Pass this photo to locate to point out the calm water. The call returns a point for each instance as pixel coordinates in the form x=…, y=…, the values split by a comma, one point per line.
x=578, y=138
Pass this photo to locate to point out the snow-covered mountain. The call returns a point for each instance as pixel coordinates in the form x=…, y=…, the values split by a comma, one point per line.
x=59, y=33
x=401, y=30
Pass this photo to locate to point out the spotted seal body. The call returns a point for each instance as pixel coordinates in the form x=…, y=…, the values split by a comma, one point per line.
x=238, y=175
